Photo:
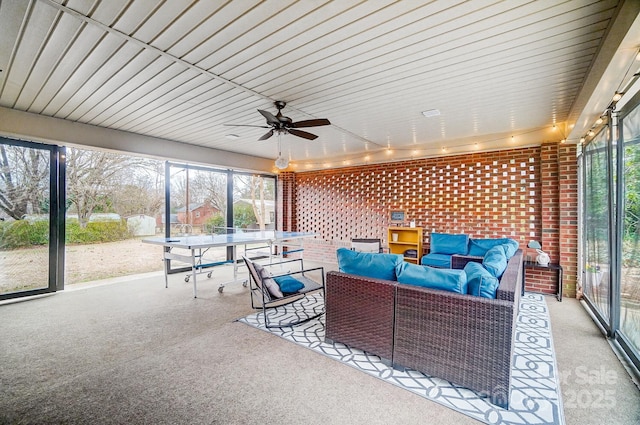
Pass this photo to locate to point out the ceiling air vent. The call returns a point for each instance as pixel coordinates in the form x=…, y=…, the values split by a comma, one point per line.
x=431, y=113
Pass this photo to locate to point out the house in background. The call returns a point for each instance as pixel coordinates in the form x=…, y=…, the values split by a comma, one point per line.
x=160, y=220
x=198, y=214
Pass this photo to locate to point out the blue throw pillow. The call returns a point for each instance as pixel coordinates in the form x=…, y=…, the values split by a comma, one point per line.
x=368, y=264
x=495, y=261
x=480, y=282
x=446, y=243
x=445, y=279
x=479, y=247
x=510, y=248
x=288, y=284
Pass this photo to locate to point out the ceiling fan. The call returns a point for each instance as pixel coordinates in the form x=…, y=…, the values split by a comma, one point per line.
x=281, y=124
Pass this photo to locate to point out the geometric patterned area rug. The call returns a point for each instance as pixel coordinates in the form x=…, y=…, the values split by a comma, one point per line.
x=535, y=390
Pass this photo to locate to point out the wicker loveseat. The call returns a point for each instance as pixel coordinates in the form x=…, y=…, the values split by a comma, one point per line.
x=462, y=338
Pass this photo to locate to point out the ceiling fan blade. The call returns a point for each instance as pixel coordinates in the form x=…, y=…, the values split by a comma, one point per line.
x=302, y=134
x=271, y=119
x=266, y=136
x=247, y=125
x=311, y=123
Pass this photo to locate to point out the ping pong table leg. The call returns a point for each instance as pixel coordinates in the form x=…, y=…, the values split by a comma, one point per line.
x=194, y=272
x=166, y=267
x=234, y=255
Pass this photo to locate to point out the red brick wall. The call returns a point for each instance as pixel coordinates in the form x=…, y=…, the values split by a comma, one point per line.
x=512, y=193
x=286, y=201
x=568, y=204
x=548, y=232
x=550, y=200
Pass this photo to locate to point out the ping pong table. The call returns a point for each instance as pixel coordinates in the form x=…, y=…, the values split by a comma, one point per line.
x=197, y=245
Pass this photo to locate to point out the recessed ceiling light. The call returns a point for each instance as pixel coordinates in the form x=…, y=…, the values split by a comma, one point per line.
x=232, y=136
x=431, y=113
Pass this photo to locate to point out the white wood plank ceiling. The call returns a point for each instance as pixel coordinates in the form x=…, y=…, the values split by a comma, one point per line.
x=500, y=73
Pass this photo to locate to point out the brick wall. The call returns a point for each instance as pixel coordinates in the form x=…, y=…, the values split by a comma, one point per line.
x=568, y=205
x=286, y=202
x=513, y=193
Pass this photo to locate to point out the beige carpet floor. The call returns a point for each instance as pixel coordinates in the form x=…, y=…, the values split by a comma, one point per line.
x=131, y=351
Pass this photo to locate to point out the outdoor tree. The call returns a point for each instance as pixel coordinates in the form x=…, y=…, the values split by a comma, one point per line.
x=24, y=181
x=257, y=200
x=212, y=189
x=93, y=177
x=141, y=190
x=191, y=187
x=632, y=192
x=258, y=190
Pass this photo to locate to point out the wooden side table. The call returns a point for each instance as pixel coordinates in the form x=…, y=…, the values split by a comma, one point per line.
x=551, y=266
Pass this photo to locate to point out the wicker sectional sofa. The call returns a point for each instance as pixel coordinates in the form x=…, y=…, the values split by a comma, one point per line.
x=462, y=338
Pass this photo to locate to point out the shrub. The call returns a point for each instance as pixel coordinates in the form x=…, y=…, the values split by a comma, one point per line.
x=105, y=231
x=243, y=216
x=22, y=233
x=214, y=224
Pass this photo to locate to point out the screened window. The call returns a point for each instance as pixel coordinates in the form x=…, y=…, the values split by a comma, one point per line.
x=630, y=238
x=596, y=219
x=611, y=229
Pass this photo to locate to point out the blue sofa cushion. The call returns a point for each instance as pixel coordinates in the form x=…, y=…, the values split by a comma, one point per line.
x=288, y=284
x=445, y=279
x=368, y=264
x=510, y=248
x=480, y=282
x=446, y=243
x=442, y=261
x=479, y=247
x=495, y=261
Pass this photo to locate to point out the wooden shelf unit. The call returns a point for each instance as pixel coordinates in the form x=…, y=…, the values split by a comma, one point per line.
x=408, y=238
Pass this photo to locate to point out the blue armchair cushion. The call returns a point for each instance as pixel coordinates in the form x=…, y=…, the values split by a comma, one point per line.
x=376, y=265
x=480, y=282
x=495, y=261
x=288, y=284
x=446, y=243
x=442, y=261
x=445, y=279
x=479, y=247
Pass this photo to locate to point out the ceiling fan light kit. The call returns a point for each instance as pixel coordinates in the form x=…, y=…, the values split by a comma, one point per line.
x=282, y=162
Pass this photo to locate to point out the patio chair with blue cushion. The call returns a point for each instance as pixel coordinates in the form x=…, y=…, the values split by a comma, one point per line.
x=272, y=291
